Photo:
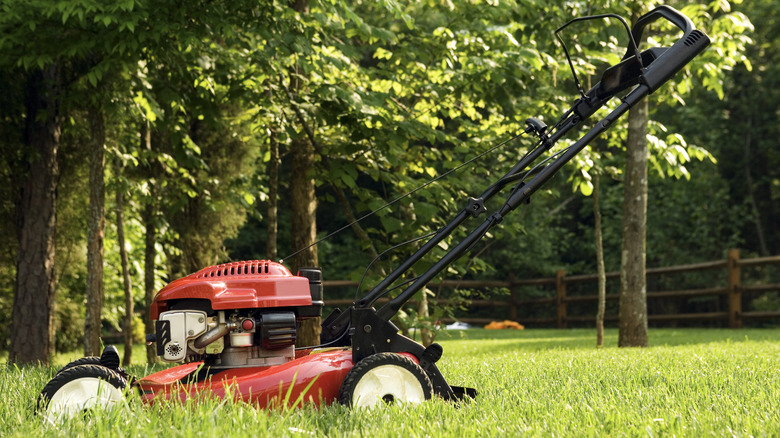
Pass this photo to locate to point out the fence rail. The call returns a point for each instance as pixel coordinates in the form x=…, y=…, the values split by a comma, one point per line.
x=732, y=289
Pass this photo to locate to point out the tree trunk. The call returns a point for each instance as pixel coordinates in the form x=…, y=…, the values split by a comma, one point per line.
x=426, y=335
x=96, y=227
x=601, y=271
x=303, y=224
x=127, y=325
x=633, y=286
x=32, y=326
x=763, y=248
x=273, y=198
x=149, y=268
x=150, y=253
x=356, y=228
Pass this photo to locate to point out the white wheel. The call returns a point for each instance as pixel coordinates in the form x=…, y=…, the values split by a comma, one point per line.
x=78, y=389
x=385, y=378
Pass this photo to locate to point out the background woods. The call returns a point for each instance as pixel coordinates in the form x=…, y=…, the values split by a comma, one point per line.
x=188, y=134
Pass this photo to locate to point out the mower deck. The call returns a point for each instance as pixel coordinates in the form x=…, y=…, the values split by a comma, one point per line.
x=315, y=378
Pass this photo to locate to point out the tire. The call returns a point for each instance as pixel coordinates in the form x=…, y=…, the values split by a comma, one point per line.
x=78, y=389
x=88, y=360
x=385, y=378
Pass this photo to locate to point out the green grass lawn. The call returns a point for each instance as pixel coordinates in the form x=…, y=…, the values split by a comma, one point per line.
x=690, y=382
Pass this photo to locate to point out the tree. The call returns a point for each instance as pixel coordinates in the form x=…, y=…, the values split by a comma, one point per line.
x=303, y=202
x=34, y=42
x=273, y=196
x=127, y=286
x=600, y=269
x=34, y=293
x=93, y=321
x=633, y=284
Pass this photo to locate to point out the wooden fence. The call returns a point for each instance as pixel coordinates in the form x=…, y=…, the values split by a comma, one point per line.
x=732, y=290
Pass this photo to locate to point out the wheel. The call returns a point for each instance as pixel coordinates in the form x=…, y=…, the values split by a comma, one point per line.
x=88, y=360
x=79, y=388
x=385, y=377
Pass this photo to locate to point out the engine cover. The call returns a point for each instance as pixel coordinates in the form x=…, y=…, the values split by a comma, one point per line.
x=258, y=284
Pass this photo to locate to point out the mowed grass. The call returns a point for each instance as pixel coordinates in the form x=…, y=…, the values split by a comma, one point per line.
x=690, y=382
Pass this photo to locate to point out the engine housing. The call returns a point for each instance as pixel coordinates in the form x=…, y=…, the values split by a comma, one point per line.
x=240, y=314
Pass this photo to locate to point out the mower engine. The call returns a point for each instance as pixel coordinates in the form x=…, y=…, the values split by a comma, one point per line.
x=242, y=314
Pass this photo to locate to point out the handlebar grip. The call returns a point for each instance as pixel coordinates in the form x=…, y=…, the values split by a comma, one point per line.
x=673, y=59
x=673, y=15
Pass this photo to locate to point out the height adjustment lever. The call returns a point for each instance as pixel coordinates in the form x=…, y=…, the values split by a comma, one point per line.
x=538, y=127
x=476, y=206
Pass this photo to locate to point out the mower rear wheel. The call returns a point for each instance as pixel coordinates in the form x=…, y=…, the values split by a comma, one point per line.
x=78, y=389
x=88, y=360
x=385, y=378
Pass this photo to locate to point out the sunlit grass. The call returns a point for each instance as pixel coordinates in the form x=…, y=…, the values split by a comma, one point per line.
x=690, y=382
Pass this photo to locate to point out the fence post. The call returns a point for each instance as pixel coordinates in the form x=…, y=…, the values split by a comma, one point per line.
x=560, y=286
x=512, y=298
x=735, y=290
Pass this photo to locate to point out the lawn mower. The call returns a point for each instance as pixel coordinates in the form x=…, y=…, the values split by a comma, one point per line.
x=233, y=326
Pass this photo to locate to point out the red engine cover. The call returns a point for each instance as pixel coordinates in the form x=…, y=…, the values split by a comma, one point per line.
x=238, y=285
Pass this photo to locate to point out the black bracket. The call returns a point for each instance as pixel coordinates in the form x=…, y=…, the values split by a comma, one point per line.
x=373, y=334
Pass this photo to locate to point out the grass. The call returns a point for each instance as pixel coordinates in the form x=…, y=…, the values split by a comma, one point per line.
x=690, y=382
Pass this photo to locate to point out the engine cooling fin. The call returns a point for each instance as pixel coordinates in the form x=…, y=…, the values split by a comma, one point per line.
x=243, y=269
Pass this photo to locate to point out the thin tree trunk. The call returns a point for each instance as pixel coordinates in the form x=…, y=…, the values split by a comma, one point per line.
x=356, y=228
x=633, y=286
x=423, y=314
x=763, y=248
x=150, y=253
x=149, y=268
x=96, y=227
x=601, y=271
x=272, y=215
x=127, y=325
x=32, y=325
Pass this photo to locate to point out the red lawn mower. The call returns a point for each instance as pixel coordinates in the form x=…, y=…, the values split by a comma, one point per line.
x=233, y=326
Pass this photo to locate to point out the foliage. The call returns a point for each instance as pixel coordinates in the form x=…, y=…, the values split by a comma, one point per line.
x=393, y=94
x=113, y=53
x=740, y=132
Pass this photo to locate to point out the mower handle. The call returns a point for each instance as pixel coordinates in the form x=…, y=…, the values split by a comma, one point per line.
x=673, y=59
x=652, y=67
x=673, y=15
x=371, y=331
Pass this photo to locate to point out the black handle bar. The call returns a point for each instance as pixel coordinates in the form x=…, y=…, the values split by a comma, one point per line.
x=668, y=12
x=673, y=59
x=653, y=67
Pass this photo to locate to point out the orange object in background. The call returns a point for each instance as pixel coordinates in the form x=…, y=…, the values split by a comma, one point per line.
x=506, y=324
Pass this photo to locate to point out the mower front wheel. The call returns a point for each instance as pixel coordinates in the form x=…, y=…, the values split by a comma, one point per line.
x=79, y=388
x=385, y=378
